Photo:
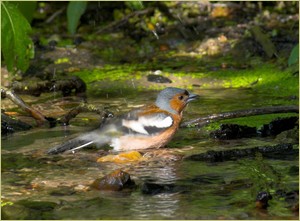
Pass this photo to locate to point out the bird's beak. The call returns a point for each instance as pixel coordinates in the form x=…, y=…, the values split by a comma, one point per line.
x=192, y=97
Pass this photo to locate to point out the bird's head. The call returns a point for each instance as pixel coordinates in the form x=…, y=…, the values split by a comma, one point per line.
x=174, y=100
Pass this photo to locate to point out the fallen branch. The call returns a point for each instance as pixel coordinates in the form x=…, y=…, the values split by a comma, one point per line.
x=55, y=14
x=39, y=117
x=124, y=20
x=84, y=108
x=202, y=121
x=236, y=154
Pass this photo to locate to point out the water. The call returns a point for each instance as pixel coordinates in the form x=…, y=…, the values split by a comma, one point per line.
x=202, y=190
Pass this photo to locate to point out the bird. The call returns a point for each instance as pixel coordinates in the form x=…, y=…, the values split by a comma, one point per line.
x=150, y=126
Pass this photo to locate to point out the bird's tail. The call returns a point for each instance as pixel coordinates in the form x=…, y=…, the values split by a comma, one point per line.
x=80, y=142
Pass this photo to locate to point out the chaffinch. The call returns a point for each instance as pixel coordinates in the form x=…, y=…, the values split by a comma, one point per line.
x=151, y=126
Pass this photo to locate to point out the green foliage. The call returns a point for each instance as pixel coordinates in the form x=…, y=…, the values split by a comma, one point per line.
x=134, y=5
x=17, y=46
x=294, y=56
x=74, y=11
x=265, y=78
x=27, y=8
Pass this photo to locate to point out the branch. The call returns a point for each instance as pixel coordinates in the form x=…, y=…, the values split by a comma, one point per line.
x=84, y=108
x=124, y=20
x=40, y=118
x=202, y=121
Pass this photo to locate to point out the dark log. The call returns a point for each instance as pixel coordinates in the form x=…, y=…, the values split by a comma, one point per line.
x=202, y=121
x=235, y=154
x=64, y=85
x=10, y=125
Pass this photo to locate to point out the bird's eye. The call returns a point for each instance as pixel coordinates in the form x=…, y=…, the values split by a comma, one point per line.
x=180, y=97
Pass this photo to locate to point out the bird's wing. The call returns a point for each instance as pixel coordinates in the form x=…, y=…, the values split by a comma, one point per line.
x=145, y=124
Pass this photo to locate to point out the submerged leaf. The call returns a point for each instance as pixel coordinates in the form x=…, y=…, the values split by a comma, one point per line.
x=17, y=46
x=122, y=157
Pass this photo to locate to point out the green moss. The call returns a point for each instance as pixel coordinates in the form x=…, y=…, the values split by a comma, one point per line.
x=265, y=78
x=253, y=121
x=108, y=72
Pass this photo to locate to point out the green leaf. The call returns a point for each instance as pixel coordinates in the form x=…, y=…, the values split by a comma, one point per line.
x=294, y=56
x=74, y=12
x=17, y=47
x=135, y=5
x=27, y=8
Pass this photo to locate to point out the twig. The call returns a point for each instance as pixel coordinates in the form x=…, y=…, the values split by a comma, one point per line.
x=124, y=20
x=40, y=118
x=202, y=121
x=54, y=15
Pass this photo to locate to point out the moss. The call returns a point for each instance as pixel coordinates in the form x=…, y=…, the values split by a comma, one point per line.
x=266, y=78
x=270, y=84
x=108, y=72
x=253, y=121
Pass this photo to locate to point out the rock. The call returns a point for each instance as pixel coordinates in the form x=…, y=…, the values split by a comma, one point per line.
x=158, y=79
x=28, y=210
x=38, y=205
x=14, y=212
x=233, y=131
x=115, y=181
x=278, y=125
x=290, y=197
x=10, y=125
x=6, y=129
x=288, y=136
x=262, y=200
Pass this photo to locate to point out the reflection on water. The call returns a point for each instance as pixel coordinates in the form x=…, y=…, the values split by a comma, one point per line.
x=160, y=206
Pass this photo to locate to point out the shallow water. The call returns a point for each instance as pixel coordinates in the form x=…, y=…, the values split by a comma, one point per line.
x=202, y=190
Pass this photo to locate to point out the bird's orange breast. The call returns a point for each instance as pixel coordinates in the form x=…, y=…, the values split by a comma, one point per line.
x=133, y=142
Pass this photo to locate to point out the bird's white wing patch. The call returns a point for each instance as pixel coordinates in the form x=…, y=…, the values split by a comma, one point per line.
x=157, y=121
x=142, y=124
x=134, y=125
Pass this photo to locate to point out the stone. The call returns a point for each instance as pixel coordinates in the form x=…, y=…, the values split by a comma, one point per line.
x=115, y=181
